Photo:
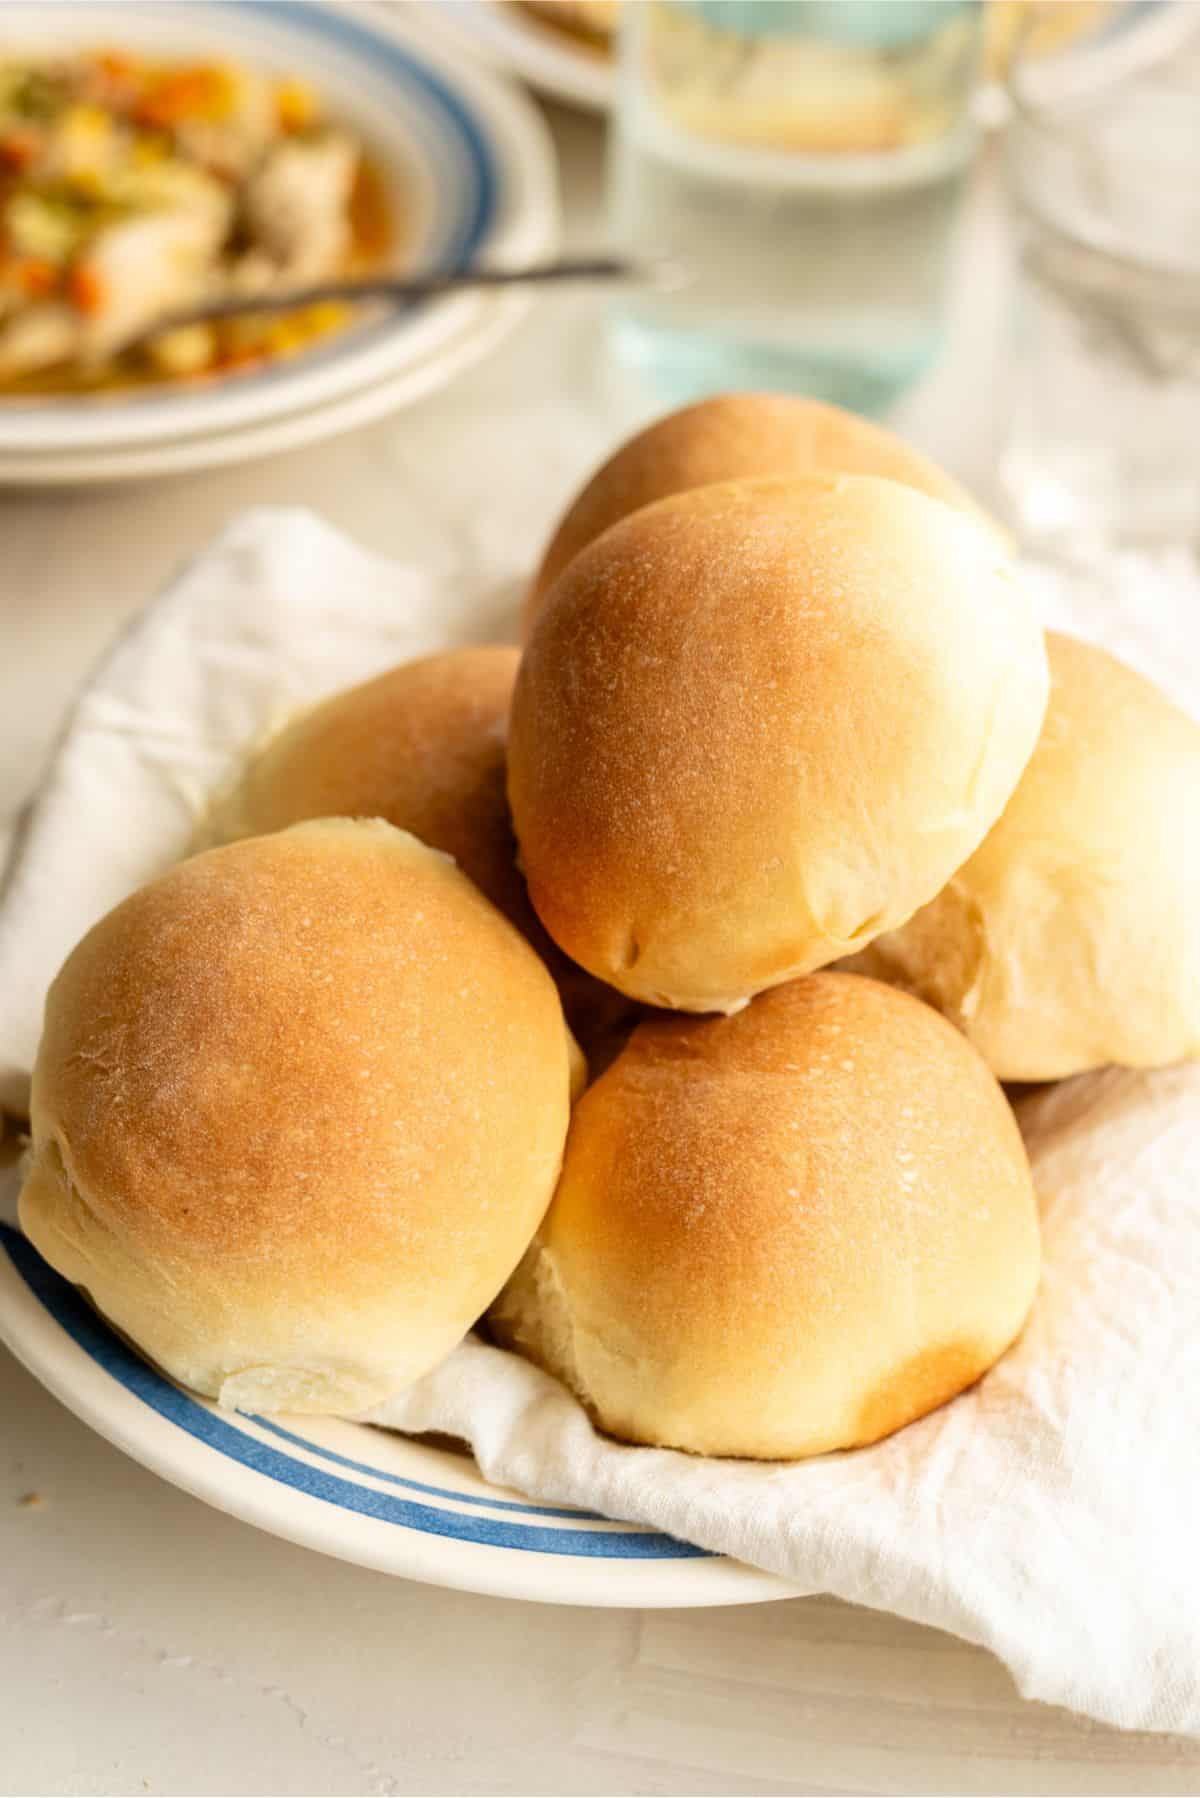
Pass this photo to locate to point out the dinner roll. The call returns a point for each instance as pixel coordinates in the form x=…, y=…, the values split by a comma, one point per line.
x=736, y=437
x=781, y=1233
x=422, y=746
x=1070, y=938
x=299, y=1106
x=761, y=722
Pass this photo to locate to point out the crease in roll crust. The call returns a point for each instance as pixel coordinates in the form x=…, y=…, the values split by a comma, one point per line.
x=298, y=1108
x=784, y=1233
x=1068, y=941
x=761, y=722
x=737, y=437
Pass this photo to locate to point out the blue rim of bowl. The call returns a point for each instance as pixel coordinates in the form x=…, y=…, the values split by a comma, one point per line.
x=478, y=213
x=489, y=1522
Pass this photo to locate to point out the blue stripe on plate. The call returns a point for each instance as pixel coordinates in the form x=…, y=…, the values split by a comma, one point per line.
x=395, y=1479
x=71, y=1312
x=476, y=189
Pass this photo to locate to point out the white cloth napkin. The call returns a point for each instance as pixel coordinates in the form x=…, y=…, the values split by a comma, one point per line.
x=1052, y=1514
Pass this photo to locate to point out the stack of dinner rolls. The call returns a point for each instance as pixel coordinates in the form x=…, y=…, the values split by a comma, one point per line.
x=647, y=991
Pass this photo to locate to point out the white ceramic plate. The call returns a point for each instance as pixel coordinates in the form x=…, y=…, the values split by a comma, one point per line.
x=139, y=462
x=403, y=1506
x=574, y=71
x=470, y=155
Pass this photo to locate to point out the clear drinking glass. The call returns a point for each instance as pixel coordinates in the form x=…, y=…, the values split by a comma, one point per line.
x=803, y=161
x=1104, y=151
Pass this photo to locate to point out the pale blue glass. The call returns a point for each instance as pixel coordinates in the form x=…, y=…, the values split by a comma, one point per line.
x=803, y=161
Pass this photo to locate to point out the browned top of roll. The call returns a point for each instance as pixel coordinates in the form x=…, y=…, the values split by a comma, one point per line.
x=734, y=437
x=299, y=1104
x=759, y=723
x=422, y=746
x=783, y=1232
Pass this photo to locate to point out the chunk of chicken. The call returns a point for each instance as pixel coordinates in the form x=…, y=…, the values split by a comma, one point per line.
x=296, y=206
x=145, y=268
x=161, y=255
x=121, y=180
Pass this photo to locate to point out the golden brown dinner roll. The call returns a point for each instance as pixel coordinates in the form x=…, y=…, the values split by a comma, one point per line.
x=1071, y=938
x=422, y=746
x=781, y=1233
x=299, y=1106
x=759, y=723
x=736, y=437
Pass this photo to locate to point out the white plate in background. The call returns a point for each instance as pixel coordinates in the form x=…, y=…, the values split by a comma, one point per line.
x=583, y=74
x=108, y=464
x=476, y=167
x=573, y=70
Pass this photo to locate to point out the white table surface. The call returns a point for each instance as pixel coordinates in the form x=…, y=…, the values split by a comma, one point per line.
x=149, y=1644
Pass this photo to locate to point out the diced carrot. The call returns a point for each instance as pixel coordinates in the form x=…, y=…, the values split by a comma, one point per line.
x=115, y=64
x=18, y=148
x=86, y=289
x=176, y=95
x=35, y=276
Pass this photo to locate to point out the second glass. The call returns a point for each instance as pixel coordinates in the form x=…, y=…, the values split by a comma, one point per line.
x=1103, y=153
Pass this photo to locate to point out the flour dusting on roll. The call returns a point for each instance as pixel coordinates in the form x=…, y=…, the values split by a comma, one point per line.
x=760, y=723
x=787, y=1232
x=736, y=437
x=422, y=746
x=1069, y=939
x=298, y=1108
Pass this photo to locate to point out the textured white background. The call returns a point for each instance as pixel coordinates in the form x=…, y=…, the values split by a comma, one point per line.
x=149, y=1644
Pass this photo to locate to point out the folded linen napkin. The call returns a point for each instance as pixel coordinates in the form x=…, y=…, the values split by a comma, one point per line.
x=1051, y=1513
